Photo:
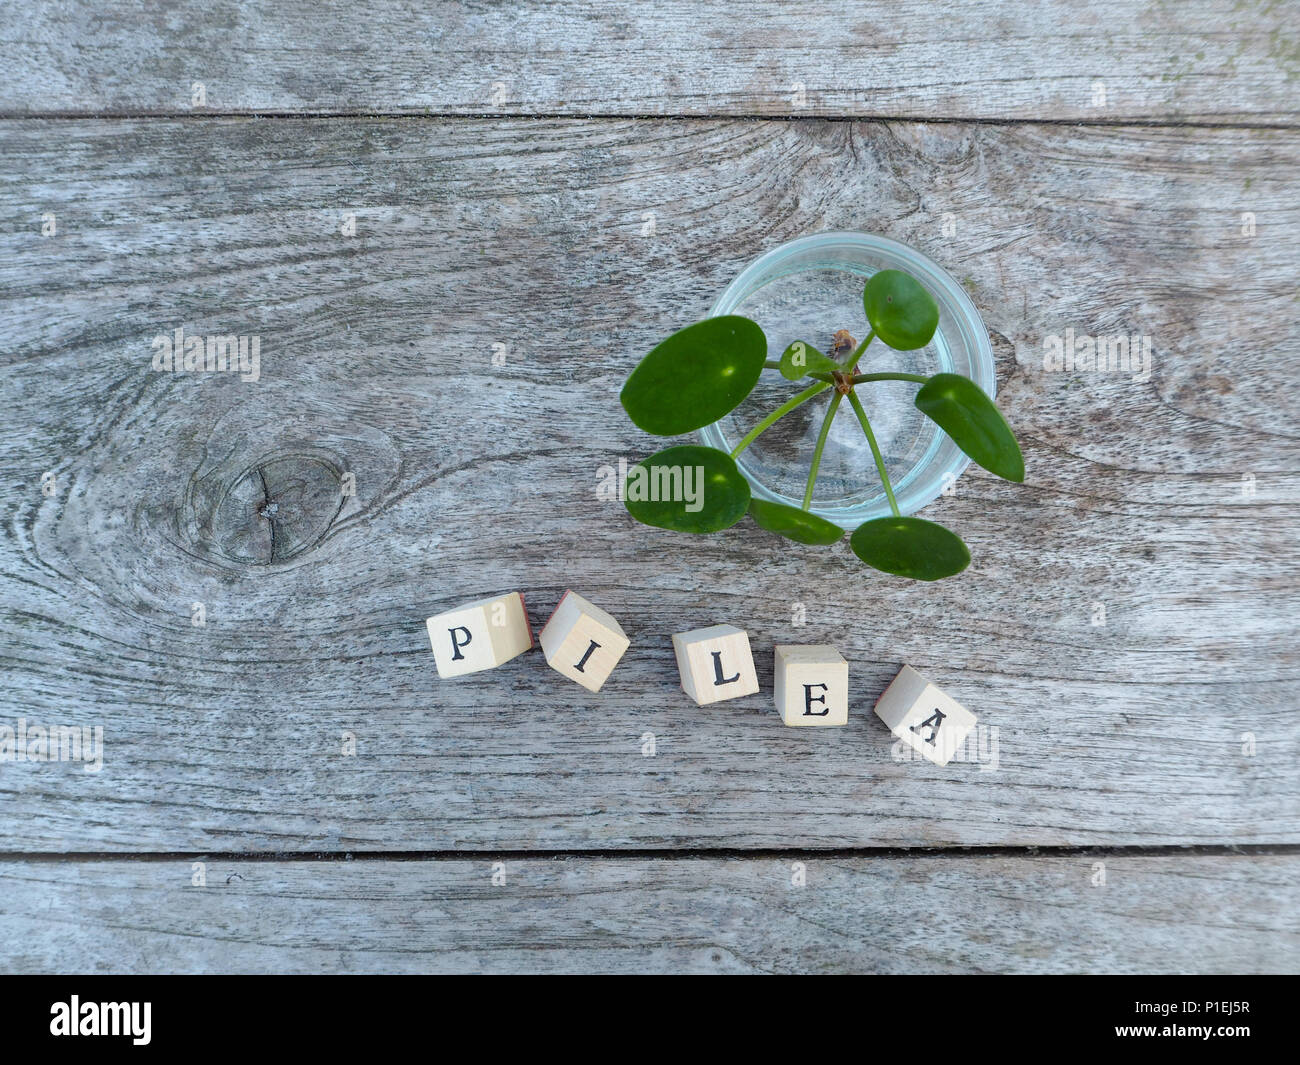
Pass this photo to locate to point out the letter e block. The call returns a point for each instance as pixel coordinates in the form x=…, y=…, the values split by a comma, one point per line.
x=479, y=636
x=715, y=663
x=582, y=641
x=918, y=713
x=811, y=685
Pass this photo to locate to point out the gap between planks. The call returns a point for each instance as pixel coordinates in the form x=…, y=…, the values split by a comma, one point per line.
x=1129, y=122
x=644, y=854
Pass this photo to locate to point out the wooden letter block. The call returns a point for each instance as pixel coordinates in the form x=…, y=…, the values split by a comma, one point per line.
x=811, y=685
x=583, y=642
x=923, y=717
x=479, y=636
x=715, y=663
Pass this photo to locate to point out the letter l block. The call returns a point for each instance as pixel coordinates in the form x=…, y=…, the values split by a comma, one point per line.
x=715, y=663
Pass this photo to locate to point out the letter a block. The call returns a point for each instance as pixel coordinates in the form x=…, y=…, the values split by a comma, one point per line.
x=479, y=636
x=583, y=642
x=918, y=713
x=811, y=685
x=715, y=663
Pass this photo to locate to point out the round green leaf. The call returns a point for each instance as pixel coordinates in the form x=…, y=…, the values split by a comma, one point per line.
x=793, y=523
x=695, y=376
x=965, y=412
x=687, y=489
x=802, y=358
x=910, y=547
x=900, y=310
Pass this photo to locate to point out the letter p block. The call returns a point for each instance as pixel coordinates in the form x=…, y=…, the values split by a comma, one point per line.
x=479, y=636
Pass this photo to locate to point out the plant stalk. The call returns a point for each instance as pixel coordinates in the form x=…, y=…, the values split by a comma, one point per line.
x=780, y=412
x=852, y=361
x=875, y=452
x=821, y=446
x=859, y=378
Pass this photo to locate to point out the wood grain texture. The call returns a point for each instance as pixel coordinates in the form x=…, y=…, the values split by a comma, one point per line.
x=472, y=480
x=1184, y=914
x=1204, y=60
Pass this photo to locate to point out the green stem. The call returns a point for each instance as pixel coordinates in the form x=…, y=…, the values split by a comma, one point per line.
x=821, y=446
x=858, y=378
x=852, y=361
x=875, y=452
x=920, y=379
x=780, y=412
x=770, y=365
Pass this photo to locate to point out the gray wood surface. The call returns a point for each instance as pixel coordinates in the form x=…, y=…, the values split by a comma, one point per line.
x=1209, y=60
x=555, y=187
x=1084, y=913
x=376, y=359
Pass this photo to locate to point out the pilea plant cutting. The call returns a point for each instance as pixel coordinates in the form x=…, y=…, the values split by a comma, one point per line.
x=703, y=372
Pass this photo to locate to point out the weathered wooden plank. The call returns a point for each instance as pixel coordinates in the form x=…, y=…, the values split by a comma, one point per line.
x=1112, y=914
x=376, y=359
x=1207, y=60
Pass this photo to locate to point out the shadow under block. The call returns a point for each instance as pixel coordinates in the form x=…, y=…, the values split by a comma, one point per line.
x=479, y=636
x=917, y=712
x=582, y=642
x=715, y=663
x=810, y=685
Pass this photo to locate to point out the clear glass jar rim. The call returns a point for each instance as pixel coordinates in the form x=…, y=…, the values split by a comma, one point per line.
x=972, y=325
x=964, y=314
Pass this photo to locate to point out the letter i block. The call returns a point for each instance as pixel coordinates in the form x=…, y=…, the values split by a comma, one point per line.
x=918, y=713
x=582, y=641
x=715, y=663
x=811, y=685
x=479, y=636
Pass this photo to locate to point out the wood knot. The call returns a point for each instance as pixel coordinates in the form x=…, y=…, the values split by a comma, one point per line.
x=272, y=510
